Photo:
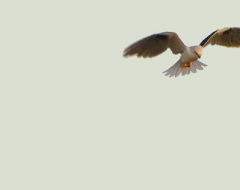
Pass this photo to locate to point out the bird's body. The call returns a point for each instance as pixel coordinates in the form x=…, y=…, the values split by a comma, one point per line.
x=190, y=54
x=158, y=43
x=188, y=62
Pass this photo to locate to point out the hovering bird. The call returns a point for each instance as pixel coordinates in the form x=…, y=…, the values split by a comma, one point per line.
x=158, y=43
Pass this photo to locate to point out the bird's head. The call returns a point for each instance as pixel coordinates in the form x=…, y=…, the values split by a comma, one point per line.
x=198, y=50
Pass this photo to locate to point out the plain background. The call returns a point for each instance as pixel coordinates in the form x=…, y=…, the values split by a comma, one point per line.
x=75, y=114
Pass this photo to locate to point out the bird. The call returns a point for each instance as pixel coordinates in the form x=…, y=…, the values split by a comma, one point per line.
x=188, y=62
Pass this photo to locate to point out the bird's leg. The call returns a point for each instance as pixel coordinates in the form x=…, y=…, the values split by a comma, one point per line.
x=187, y=65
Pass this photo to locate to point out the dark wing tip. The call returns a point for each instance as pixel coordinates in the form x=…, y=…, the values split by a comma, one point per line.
x=125, y=53
x=130, y=51
x=204, y=42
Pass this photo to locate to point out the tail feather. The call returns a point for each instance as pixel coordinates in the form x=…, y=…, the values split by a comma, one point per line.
x=193, y=68
x=178, y=68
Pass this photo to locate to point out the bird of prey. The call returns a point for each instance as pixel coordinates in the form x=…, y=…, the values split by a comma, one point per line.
x=158, y=43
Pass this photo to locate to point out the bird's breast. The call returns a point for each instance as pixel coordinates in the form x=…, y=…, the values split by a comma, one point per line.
x=188, y=56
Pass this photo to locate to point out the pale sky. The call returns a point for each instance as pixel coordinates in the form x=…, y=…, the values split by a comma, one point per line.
x=77, y=115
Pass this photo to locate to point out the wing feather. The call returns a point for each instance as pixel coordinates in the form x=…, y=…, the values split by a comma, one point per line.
x=155, y=45
x=228, y=37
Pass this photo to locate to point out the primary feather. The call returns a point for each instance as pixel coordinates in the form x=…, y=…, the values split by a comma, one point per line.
x=155, y=45
x=228, y=36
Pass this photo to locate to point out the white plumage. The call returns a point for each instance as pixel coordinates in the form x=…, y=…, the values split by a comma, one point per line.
x=158, y=43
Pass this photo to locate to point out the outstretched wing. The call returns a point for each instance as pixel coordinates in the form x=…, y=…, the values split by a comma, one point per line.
x=229, y=37
x=155, y=44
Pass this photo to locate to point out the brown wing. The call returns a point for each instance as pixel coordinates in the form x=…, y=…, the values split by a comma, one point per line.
x=155, y=44
x=229, y=37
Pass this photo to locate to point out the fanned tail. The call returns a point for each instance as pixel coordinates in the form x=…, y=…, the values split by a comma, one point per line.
x=178, y=68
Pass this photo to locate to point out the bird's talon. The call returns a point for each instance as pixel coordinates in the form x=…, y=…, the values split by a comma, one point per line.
x=187, y=65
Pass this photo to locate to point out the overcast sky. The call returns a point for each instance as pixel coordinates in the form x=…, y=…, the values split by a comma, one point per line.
x=75, y=114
